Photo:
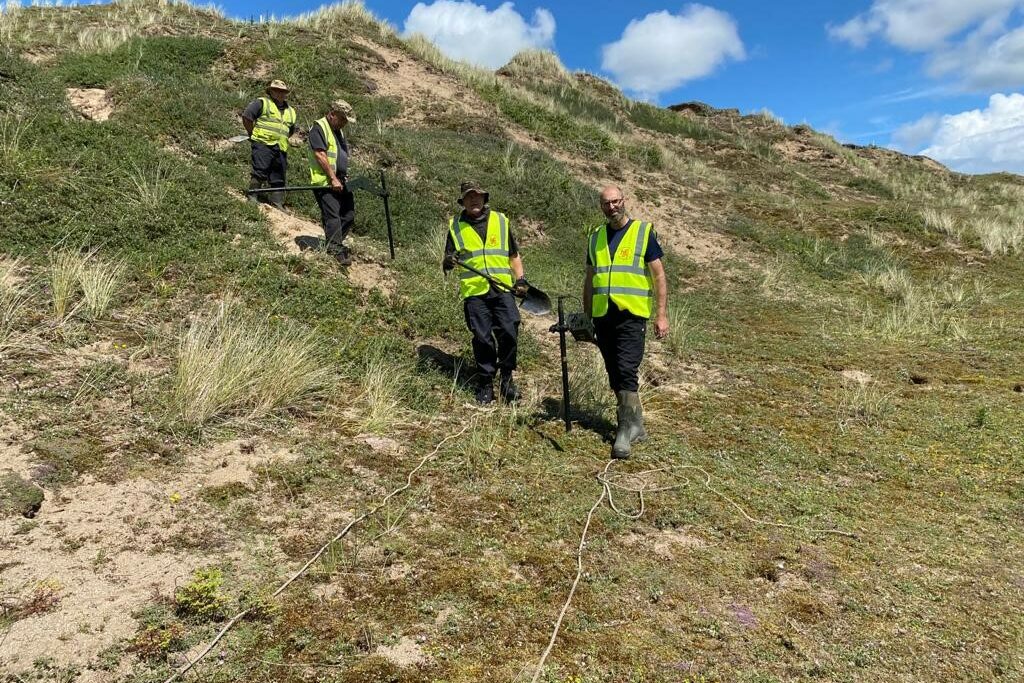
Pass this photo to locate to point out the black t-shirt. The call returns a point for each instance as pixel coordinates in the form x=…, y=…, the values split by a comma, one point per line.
x=318, y=142
x=255, y=109
x=654, y=250
x=480, y=226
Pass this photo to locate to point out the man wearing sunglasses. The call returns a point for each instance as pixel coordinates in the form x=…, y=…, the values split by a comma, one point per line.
x=624, y=287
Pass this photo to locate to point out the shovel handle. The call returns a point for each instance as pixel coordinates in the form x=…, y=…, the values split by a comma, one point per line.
x=497, y=283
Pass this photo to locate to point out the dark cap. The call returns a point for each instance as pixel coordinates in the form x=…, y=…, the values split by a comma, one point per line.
x=468, y=186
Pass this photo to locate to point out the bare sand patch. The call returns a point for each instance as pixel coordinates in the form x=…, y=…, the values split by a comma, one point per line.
x=92, y=103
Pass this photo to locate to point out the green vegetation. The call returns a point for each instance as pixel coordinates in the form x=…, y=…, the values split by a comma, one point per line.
x=844, y=348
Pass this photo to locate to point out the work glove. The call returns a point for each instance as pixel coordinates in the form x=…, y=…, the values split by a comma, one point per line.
x=449, y=261
x=520, y=287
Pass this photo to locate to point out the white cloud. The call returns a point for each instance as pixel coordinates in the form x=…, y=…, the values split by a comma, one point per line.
x=464, y=30
x=977, y=141
x=663, y=50
x=920, y=25
x=913, y=136
x=1000, y=65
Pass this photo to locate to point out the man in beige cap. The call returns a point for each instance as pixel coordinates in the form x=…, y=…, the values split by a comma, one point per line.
x=328, y=166
x=269, y=121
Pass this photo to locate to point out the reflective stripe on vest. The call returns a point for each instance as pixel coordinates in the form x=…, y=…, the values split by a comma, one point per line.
x=316, y=174
x=624, y=278
x=490, y=256
x=271, y=128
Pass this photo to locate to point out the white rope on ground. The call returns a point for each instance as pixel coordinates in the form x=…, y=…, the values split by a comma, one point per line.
x=575, y=583
x=337, y=537
x=640, y=484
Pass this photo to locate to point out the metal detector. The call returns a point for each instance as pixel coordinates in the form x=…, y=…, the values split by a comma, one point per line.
x=581, y=327
x=364, y=183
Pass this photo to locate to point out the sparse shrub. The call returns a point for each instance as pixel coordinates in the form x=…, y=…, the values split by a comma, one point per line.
x=154, y=642
x=201, y=598
x=230, y=362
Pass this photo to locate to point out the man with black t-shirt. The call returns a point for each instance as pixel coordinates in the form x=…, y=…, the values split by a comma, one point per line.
x=269, y=121
x=624, y=286
x=482, y=239
x=328, y=166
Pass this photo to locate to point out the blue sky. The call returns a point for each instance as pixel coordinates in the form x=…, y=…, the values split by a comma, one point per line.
x=917, y=75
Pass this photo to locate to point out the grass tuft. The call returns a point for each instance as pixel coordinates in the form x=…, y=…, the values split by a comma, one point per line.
x=99, y=282
x=65, y=281
x=232, y=363
x=534, y=63
x=381, y=395
x=13, y=300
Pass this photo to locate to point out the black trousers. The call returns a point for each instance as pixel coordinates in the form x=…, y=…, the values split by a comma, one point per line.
x=621, y=336
x=338, y=215
x=269, y=164
x=493, y=318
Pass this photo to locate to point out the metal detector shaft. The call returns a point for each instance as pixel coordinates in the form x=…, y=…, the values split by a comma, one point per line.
x=293, y=188
x=565, y=365
x=387, y=213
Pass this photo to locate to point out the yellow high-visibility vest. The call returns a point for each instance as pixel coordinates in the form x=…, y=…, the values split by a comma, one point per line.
x=623, y=277
x=316, y=174
x=271, y=128
x=488, y=256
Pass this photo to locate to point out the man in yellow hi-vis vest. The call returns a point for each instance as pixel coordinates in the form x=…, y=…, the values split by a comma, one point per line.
x=269, y=121
x=624, y=286
x=328, y=167
x=483, y=240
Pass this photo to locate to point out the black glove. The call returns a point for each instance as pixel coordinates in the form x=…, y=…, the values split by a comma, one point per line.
x=520, y=287
x=449, y=261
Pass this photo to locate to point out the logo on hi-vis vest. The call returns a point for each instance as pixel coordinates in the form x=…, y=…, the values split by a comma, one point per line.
x=493, y=241
x=623, y=254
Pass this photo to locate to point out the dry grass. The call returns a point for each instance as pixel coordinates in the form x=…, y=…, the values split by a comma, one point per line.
x=232, y=363
x=103, y=38
x=588, y=383
x=536, y=64
x=65, y=281
x=680, y=330
x=13, y=300
x=863, y=402
x=470, y=74
x=99, y=282
x=151, y=186
x=380, y=400
x=12, y=128
x=943, y=222
x=348, y=13
x=997, y=236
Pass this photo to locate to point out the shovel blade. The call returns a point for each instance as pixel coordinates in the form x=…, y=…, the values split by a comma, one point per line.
x=536, y=302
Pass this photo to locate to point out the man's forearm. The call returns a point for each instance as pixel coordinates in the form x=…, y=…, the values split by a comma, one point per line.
x=661, y=294
x=588, y=297
x=249, y=124
x=517, y=267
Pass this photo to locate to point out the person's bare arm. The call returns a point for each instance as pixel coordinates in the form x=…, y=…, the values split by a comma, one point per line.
x=588, y=292
x=325, y=164
x=249, y=124
x=660, y=298
x=516, y=262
